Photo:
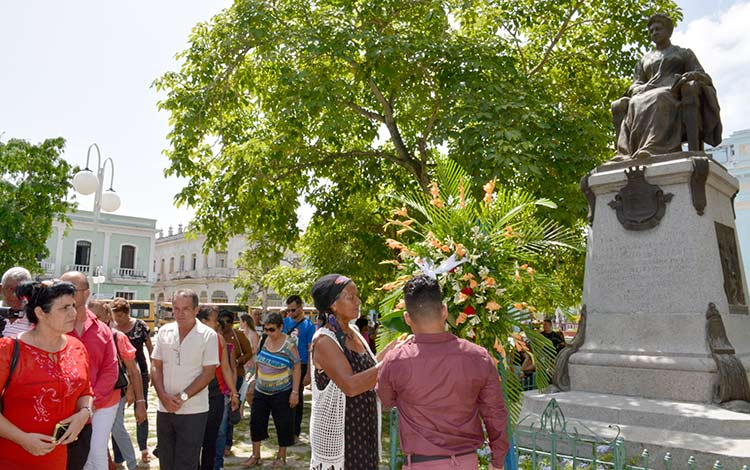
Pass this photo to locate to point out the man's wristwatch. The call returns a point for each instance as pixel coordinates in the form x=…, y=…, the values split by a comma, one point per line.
x=184, y=396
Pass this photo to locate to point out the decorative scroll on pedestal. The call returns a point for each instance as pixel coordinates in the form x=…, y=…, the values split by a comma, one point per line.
x=640, y=205
x=560, y=380
x=698, y=183
x=731, y=388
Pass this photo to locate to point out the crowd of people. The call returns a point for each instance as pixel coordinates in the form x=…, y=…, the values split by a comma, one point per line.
x=70, y=366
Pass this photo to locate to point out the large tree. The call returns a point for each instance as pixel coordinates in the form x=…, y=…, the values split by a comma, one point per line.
x=346, y=101
x=34, y=182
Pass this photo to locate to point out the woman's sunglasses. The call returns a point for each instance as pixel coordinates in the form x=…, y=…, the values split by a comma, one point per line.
x=270, y=330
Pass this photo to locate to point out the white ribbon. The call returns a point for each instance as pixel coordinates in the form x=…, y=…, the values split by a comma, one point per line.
x=429, y=269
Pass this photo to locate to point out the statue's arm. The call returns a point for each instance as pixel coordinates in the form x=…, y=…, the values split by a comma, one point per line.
x=694, y=70
x=639, y=80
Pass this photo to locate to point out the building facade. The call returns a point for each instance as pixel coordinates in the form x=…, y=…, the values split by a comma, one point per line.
x=114, y=249
x=734, y=154
x=180, y=263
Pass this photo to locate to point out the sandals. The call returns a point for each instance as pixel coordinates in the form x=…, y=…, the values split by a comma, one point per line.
x=278, y=463
x=252, y=461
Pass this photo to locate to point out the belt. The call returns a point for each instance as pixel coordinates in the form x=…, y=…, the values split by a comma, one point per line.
x=428, y=458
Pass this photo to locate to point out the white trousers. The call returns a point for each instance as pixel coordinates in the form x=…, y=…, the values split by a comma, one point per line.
x=101, y=428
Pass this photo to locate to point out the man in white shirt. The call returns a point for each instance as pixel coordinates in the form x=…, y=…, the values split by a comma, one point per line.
x=183, y=362
x=17, y=323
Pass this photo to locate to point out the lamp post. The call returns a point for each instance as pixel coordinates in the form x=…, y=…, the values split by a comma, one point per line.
x=98, y=279
x=86, y=182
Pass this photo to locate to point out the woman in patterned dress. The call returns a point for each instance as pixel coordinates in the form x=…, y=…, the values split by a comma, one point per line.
x=49, y=384
x=342, y=356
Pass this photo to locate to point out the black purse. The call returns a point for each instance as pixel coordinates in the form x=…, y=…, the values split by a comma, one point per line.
x=122, y=374
x=13, y=362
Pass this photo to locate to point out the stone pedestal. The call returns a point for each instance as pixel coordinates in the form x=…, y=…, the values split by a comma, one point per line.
x=667, y=330
x=649, y=281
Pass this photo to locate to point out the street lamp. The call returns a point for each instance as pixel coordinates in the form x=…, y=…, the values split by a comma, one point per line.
x=86, y=182
x=98, y=279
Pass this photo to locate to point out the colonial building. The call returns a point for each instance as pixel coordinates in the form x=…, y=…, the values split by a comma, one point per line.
x=115, y=251
x=734, y=154
x=180, y=263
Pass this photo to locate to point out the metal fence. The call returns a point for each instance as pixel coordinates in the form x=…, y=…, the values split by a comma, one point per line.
x=552, y=443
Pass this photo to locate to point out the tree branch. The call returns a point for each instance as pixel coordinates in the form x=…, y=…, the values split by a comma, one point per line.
x=428, y=131
x=518, y=46
x=555, y=40
x=371, y=115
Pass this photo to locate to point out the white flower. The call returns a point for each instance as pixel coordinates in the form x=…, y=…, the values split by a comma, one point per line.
x=492, y=317
x=474, y=320
x=470, y=333
x=483, y=271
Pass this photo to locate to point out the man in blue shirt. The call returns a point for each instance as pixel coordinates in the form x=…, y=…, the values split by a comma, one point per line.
x=296, y=324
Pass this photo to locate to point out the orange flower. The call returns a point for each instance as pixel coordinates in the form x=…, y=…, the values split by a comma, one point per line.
x=400, y=305
x=524, y=266
x=517, y=276
x=396, y=245
x=402, y=212
x=492, y=306
x=518, y=306
x=402, y=231
x=391, y=285
x=488, y=189
x=490, y=281
x=437, y=203
x=445, y=248
x=530, y=270
x=434, y=190
x=461, y=195
x=508, y=232
x=467, y=276
x=499, y=348
x=460, y=250
x=461, y=318
x=473, y=284
x=462, y=298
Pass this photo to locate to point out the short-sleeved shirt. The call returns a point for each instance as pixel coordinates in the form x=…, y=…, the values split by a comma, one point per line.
x=275, y=368
x=20, y=325
x=124, y=347
x=183, y=362
x=303, y=331
x=43, y=390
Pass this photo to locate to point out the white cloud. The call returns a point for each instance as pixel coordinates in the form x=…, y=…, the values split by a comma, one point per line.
x=722, y=44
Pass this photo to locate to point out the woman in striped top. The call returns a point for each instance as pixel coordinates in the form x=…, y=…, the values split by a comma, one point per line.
x=276, y=390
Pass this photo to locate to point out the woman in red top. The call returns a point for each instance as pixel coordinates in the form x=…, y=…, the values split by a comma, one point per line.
x=49, y=385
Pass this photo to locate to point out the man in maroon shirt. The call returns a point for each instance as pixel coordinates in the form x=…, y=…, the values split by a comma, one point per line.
x=442, y=386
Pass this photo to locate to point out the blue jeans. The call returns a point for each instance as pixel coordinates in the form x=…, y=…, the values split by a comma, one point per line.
x=221, y=438
x=121, y=438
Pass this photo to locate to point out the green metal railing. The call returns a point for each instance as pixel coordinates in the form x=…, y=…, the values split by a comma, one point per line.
x=553, y=443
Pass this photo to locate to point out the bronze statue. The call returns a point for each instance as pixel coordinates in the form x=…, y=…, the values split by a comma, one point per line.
x=672, y=100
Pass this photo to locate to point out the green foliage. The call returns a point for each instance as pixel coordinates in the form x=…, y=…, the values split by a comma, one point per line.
x=484, y=253
x=34, y=183
x=290, y=280
x=342, y=102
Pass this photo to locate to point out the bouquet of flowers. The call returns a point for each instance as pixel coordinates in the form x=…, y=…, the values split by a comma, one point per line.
x=481, y=247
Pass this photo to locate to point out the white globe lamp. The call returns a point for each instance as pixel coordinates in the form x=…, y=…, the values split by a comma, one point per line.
x=85, y=182
x=110, y=201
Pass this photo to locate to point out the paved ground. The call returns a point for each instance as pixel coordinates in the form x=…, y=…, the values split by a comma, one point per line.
x=298, y=456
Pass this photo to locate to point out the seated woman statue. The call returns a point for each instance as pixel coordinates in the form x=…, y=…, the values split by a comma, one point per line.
x=672, y=100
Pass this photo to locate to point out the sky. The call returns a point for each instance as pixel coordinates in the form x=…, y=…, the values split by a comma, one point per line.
x=83, y=70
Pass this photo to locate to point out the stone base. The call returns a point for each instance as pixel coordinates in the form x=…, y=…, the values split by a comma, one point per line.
x=706, y=432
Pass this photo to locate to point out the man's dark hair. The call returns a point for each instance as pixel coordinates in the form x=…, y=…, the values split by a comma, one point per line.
x=547, y=320
x=294, y=298
x=203, y=313
x=423, y=298
x=361, y=322
x=227, y=315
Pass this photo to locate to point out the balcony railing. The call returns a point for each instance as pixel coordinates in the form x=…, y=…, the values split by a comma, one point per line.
x=127, y=273
x=47, y=267
x=83, y=268
x=205, y=273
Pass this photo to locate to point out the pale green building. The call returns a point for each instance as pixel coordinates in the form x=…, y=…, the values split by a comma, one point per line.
x=116, y=247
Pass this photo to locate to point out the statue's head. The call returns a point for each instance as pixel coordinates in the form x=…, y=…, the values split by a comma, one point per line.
x=664, y=20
